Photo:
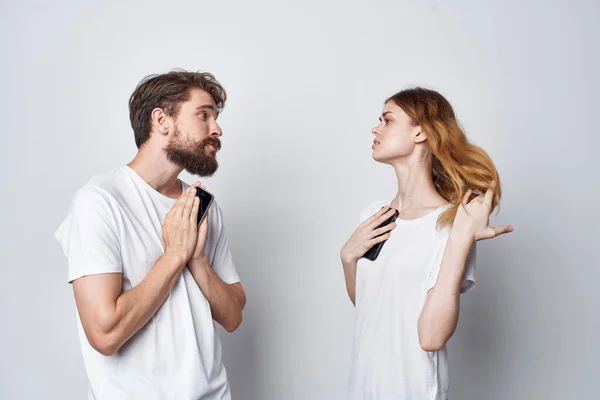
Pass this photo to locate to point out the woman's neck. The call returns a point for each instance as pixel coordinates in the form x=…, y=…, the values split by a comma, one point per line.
x=416, y=192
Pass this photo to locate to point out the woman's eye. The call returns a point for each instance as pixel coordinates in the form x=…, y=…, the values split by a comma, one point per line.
x=387, y=121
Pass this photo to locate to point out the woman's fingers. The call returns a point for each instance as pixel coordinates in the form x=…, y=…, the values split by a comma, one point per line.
x=466, y=197
x=378, y=214
x=489, y=194
x=500, y=230
x=382, y=230
x=378, y=239
x=381, y=219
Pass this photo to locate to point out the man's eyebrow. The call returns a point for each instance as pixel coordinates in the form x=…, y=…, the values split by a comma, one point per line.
x=207, y=107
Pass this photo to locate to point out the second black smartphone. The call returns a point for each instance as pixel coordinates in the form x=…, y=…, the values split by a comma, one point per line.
x=374, y=251
x=206, y=200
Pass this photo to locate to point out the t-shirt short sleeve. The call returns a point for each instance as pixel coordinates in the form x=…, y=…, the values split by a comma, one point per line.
x=222, y=262
x=468, y=281
x=89, y=236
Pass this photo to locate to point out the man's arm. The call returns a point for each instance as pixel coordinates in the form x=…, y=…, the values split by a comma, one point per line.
x=110, y=318
x=226, y=301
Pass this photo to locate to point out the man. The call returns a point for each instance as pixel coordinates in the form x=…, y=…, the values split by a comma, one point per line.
x=148, y=281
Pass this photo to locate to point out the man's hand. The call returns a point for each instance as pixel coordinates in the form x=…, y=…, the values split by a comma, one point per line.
x=202, y=231
x=179, y=230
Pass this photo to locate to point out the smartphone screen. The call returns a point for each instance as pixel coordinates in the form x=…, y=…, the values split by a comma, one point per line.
x=206, y=200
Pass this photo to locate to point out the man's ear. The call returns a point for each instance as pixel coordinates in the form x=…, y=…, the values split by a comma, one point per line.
x=159, y=121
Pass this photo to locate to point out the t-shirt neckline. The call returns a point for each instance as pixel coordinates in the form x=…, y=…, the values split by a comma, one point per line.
x=150, y=189
x=422, y=218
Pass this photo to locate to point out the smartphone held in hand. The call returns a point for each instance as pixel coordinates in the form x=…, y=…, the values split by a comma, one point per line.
x=374, y=251
x=206, y=200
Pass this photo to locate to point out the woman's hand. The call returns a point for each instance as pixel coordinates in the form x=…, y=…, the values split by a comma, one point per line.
x=367, y=235
x=473, y=218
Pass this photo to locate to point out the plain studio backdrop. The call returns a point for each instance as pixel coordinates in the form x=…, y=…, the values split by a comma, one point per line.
x=306, y=83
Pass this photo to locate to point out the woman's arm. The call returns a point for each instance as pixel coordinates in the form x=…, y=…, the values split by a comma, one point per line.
x=364, y=237
x=439, y=316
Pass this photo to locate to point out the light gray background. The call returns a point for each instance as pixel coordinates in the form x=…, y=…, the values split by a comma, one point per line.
x=306, y=84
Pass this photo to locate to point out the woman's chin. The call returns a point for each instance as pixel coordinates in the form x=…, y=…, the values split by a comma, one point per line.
x=377, y=156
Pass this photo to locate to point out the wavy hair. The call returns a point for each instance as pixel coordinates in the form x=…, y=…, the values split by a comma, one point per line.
x=457, y=164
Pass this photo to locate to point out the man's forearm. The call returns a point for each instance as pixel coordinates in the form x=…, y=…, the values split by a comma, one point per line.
x=439, y=316
x=114, y=323
x=138, y=305
x=226, y=301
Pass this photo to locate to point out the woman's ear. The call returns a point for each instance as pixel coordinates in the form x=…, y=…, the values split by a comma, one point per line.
x=419, y=135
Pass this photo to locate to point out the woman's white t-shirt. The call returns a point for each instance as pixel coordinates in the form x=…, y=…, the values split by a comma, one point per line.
x=388, y=361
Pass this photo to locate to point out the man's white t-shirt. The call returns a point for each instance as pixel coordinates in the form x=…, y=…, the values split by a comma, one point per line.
x=388, y=361
x=115, y=225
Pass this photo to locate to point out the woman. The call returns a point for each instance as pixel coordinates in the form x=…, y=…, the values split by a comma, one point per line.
x=407, y=299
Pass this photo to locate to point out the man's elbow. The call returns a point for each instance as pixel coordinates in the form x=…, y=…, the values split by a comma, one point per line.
x=232, y=325
x=103, y=344
x=236, y=321
x=107, y=351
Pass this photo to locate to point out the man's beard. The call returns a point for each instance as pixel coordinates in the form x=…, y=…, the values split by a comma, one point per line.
x=192, y=155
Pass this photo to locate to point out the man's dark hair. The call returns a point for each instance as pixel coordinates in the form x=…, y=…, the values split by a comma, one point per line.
x=168, y=91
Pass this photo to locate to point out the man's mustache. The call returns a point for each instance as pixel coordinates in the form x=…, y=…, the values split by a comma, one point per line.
x=216, y=143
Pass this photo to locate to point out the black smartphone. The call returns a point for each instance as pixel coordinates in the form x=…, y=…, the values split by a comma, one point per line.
x=374, y=251
x=206, y=200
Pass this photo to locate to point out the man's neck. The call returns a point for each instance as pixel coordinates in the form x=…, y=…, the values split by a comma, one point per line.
x=153, y=167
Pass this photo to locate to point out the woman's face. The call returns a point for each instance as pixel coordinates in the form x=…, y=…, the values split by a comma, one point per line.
x=395, y=137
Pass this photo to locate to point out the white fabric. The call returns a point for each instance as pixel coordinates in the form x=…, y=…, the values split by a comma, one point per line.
x=388, y=361
x=115, y=225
